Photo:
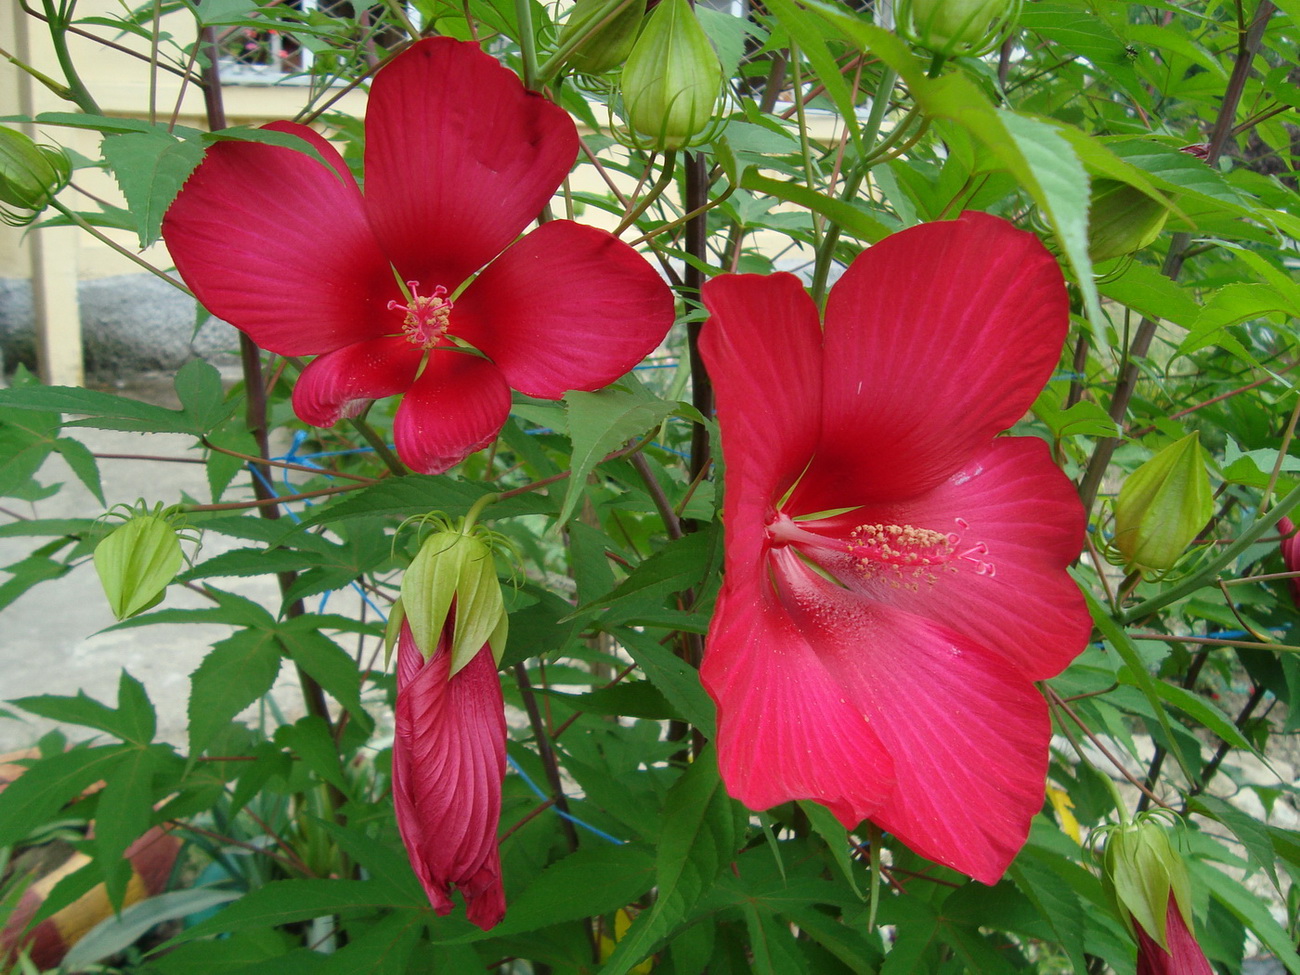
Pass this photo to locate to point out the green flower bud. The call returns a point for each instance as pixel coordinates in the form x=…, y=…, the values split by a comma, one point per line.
x=136, y=562
x=967, y=27
x=1121, y=220
x=672, y=77
x=607, y=33
x=31, y=176
x=455, y=571
x=1163, y=505
x=1142, y=870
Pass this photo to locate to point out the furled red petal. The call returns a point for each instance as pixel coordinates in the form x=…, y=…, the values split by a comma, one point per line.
x=457, y=406
x=937, y=338
x=449, y=759
x=279, y=246
x=785, y=728
x=762, y=347
x=340, y=383
x=1184, y=956
x=1291, y=556
x=567, y=307
x=968, y=735
x=1023, y=518
x=459, y=159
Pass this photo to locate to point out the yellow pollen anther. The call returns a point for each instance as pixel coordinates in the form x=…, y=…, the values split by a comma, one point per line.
x=427, y=316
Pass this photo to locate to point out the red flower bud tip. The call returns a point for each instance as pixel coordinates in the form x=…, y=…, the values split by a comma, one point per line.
x=1291, y=555
x=1184, y=956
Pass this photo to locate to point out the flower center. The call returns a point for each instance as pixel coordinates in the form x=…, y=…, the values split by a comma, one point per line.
x=427, y=316
x=900, y=555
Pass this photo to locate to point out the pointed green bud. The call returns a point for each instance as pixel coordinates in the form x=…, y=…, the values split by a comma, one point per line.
x=958, y=27
x=393, y=628
x=455, y=571
x=1121, y=220
x=1163, y=505
x=1142, y=869
x=605, y=31
x=31, y=176
x=136, y=561
x=672, y=77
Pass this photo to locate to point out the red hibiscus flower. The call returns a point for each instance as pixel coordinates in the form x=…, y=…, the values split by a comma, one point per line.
x=1184, y=956
x=459, y=159
x=1291, y=556
x=895, y=576
x=449, y=759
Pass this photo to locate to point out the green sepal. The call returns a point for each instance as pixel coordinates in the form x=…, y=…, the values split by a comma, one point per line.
x=1163, y=505
x=135, y=563
x=1121, y=220
x=31, y=175
x=1142, y=870
x=497, y=641
x=429, y=586
x=480, y=607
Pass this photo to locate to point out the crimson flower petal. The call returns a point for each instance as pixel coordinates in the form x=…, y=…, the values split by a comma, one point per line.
x=567, y=307
x=1184, y=956
x=459, y=159
x=340, y=383
x=457, y=406
x=941, y=336
x=279, y=246
x=967, y=733
x=449, y=760
x=1291, y=556
x=785, y=728
x=762, y=347
x=1016, y=514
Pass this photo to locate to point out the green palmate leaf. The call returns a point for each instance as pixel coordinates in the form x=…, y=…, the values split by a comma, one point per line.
x=772, y=944
x=1119, y=639
x=234, y=674
x=150, y=167
x=288, y=901
x=77, y=456
x=417, y=494
x=680, y=565
x=600, y=423
x=133, y=721
x=1232, y=305
x=36, y=795
x=1145, y=290
x=678, y=682
x=325, y=662
x=837, y=840
x=702, y=829
x=384, y=863
x=26, y=440
x=382, y=949
x=313, y=742
x=44, y=527
x=125, y=811
x=106, y=411
x=1254, y=835
x=848, y=216
x=1251, y=911
x=590, y=882
x=202, y=395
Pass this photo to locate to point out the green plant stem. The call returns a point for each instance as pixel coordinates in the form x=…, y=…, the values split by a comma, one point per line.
x=527, y=42
x=657, y=190
x=545, y=753
x=1229, y=554
x=58, y=23
x=826, y=250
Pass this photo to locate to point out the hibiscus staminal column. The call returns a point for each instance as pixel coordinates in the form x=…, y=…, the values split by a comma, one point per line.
x=896, y=572
x=449, y=752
